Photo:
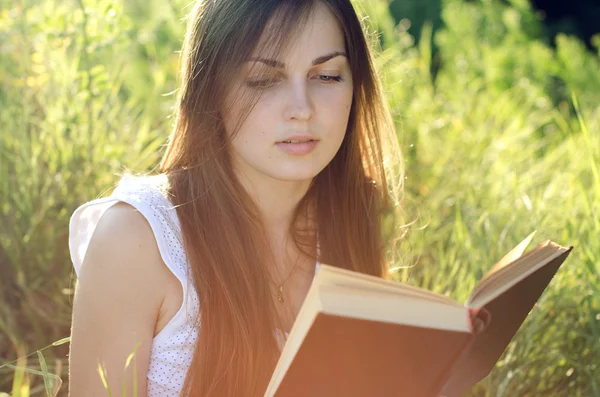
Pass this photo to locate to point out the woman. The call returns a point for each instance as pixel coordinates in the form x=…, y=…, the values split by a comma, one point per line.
x=276, y=164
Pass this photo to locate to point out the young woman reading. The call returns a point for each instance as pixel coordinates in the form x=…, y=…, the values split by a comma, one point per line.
x=283, y=156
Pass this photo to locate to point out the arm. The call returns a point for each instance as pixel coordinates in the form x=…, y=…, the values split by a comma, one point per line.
x=117, y=301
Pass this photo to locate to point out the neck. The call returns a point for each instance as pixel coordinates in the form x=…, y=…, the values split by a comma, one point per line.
x=276, y=199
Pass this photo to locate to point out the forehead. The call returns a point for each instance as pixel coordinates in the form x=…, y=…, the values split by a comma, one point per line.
x=320, y=34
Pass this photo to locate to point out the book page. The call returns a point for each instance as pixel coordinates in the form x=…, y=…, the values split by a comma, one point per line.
x=513, y=273
x=389, y=307
x=512, y=256
x=331, y=275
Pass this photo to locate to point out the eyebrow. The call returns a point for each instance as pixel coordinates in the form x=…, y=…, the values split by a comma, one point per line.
x=317, y=61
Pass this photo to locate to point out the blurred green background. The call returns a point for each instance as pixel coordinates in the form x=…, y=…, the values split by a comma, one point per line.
x=498, y=115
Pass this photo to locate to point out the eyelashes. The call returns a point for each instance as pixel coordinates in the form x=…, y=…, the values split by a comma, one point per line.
x=336, y=79
x=266, y=83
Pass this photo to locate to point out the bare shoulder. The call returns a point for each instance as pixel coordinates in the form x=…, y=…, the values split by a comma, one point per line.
x=119, y=293
x=127, y=256
x=123, y=235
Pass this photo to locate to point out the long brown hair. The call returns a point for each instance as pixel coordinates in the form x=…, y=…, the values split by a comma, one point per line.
x=223, y=234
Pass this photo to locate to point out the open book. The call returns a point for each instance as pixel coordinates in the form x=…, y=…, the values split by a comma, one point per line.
x=362, y=336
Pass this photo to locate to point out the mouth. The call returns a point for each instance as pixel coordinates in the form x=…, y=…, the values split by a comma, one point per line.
x=298, y=147
x=298, y=141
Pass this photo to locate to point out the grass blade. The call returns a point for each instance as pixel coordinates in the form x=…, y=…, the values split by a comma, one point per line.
x=45, y=373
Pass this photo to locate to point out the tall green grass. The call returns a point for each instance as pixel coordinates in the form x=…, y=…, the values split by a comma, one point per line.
x=500, y=135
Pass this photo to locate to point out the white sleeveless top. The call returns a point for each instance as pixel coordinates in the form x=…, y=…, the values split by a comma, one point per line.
x=173, y=347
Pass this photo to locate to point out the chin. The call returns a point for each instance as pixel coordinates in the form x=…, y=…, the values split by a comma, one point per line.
x=296, y=174
x=294, y=177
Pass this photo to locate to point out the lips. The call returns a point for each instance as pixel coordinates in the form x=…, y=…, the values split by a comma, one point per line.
x=297, y=141
x=299, y=138
x=297, y=147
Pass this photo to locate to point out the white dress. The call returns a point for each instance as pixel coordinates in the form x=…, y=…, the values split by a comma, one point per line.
x=173, y=347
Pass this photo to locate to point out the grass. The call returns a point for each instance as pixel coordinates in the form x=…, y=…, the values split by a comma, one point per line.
x=499, y=130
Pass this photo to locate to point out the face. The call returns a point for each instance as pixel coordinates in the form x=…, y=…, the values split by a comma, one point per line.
x=300, y=120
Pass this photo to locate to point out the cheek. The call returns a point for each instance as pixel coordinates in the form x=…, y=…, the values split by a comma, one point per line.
x=335, y=110
x=259, y=125
x=255, y=122
x=255, y=134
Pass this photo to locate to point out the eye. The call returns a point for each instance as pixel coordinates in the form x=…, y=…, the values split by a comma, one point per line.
x=329, y=79
x=262, y=82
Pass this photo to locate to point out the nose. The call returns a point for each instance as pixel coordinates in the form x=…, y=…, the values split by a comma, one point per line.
x=299, y=104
